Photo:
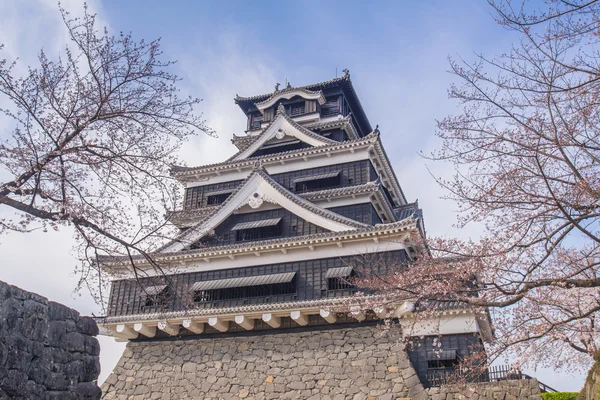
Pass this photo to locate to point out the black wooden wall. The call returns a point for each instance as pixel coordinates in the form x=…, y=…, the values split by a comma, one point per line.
x=353, y=173
x=291, y=225
x=465, y=344
x=127, y=296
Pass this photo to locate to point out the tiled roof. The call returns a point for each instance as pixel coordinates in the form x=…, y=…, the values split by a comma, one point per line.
x=341, y=191
x=242, y=142
x=271, y=244
x=434, y=305
x=344, y=80
x=372, y=138
x=225, y=310
x=336, y=123
x=307, y=205
x=411, y=210
x=311, y=87
x=179, y=171
x=279, y=93
x=187, y=218
x=281, y=114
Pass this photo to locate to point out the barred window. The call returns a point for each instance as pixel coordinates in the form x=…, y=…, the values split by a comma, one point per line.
x=257, y=230
x=340, y=278
x=245, y=287
x=256, y=121
x=296, y=108
x=154, y=296
x=317, y=182
x=441, y=359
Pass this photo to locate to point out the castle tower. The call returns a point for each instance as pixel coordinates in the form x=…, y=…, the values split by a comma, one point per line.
x=256, y=296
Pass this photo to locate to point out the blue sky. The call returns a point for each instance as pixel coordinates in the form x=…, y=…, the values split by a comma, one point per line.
x=396, y=53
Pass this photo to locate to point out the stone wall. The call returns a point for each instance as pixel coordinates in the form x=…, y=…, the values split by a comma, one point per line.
x=591, y=389
x=342, y=362
x=47, y=350
x=503, y=390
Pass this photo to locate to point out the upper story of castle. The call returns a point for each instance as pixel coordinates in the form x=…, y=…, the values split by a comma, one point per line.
x=331, y=107
x=314, y=141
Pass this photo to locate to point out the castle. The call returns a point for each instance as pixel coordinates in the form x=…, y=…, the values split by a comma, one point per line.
x=253, y=298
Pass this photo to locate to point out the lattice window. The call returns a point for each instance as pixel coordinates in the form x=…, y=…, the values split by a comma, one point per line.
x=296, y=109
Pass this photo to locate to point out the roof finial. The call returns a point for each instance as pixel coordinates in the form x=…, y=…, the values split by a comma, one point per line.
x=346, y=72
x=277, y=86
x=289, y=86
x=376, y=129
x=281, y=109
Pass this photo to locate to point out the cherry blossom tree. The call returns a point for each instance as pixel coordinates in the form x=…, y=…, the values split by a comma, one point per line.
x=93, y=134
x=526, y=153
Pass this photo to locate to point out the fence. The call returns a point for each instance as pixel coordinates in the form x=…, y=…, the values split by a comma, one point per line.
x=438, y=377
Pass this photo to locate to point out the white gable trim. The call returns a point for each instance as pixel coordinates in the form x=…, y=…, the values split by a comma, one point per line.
x=280, y=128
x=305, y=94
x=255, y=191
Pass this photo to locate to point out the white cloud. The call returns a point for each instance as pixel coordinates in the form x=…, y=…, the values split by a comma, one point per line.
x=216, y=70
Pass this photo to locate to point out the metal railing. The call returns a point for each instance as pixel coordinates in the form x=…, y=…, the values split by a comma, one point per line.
x=494, y=373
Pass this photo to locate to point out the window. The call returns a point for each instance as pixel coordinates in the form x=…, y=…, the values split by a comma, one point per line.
x=245, y=287
x=216, y=198
x=154, y=296
x=256, y=230
x=279, y=147
x=317, y=182
x=340, y=278
x=441, y=359
x=296, y=108
x=331, y=107
x=256, y=121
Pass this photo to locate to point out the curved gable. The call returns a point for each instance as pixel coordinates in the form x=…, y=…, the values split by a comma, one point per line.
x=281, y=127
x=288, y=94
x=256, y=190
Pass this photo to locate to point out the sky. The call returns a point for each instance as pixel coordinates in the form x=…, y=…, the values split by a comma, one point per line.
x=397, y=53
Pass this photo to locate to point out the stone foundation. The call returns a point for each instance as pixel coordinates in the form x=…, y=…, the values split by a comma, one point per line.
x=47, y=350
x=346, y=362
x=526, y=389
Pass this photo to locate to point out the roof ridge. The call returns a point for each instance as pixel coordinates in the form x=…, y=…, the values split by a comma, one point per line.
x=259, y=170
x=308, y=204
x=305, y=238
x=371, y=136
x=344, y=77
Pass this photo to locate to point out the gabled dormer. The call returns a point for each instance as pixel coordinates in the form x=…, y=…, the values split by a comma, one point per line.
x=267, y=206
x=281, y=135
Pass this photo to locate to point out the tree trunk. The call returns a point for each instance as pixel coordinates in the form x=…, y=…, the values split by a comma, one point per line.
x=591, y=389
